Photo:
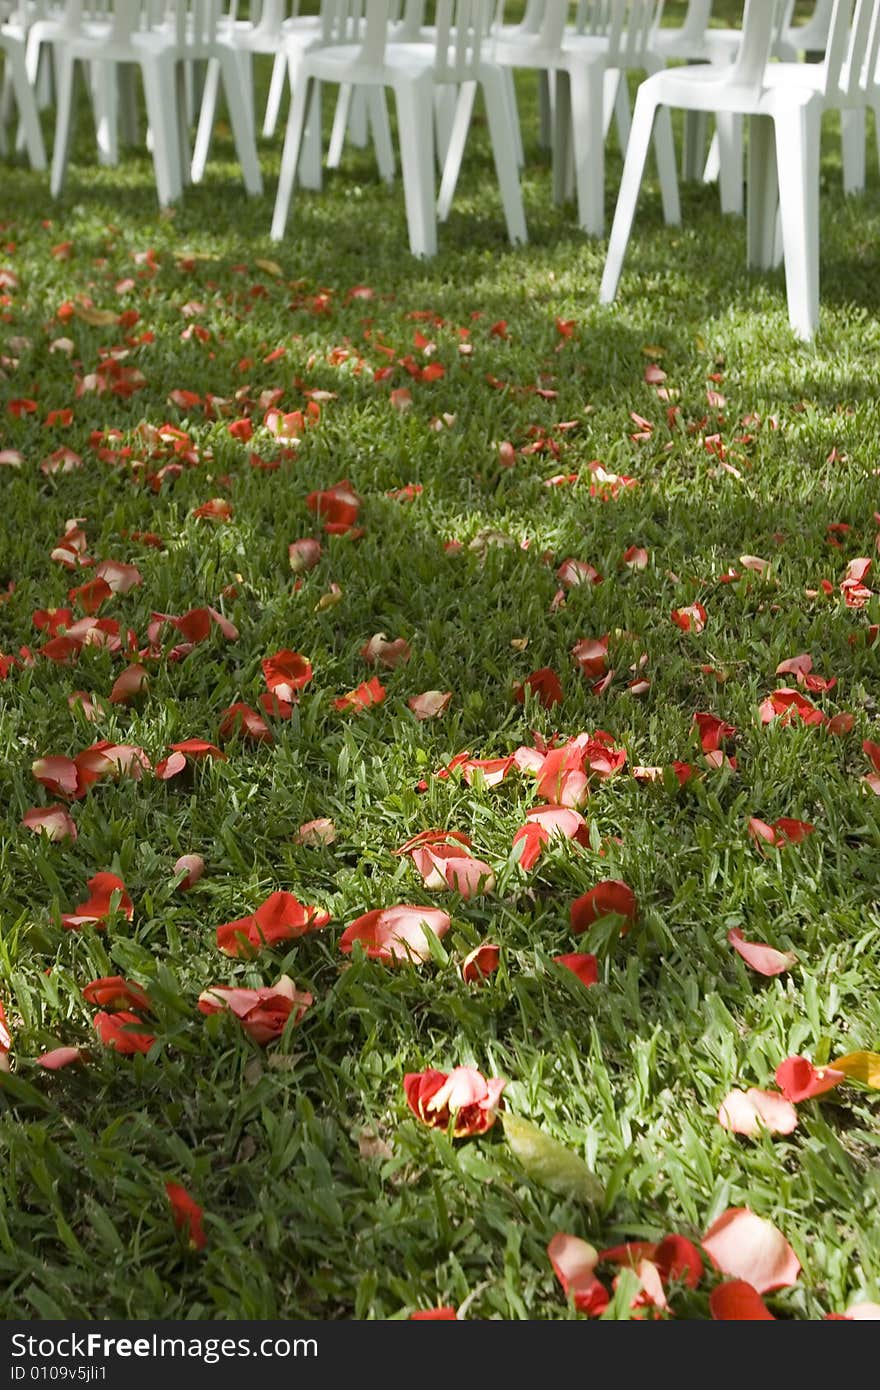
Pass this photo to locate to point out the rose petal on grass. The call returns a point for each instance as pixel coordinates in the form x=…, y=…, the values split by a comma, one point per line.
x=799, y=1080
x=584, y=967
x=430, y=704
x=98, y=907
x=753, y=1111
x=380, y=652
x=738, y=1301
x=263, y=1013
x=60, y=1057
x=55, y=822
x=395, y=934
x=610, y=896
x=574, y=1264
x=766, y=960
x=480, y=963
x=463, y=1097
x=120, y=1032
x=316, y=832
x=371, y=692
x=744, y=1245
x=285, y=673
x=187, y=1215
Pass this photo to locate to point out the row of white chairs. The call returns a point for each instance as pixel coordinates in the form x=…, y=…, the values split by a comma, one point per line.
x=582, y=54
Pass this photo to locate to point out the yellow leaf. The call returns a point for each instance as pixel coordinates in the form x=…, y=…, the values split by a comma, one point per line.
x=196, y=256
x=270, y=267
x=860, y=1066
x=652, y=350
x=98, y=318
x=329, y=600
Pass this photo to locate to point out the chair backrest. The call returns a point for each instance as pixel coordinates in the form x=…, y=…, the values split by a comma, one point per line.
x=363, y=22
x=695, y=22
x=851, y=55
x=626, y=24
x=268, y=15
x=460, y=27
x=760, y=29
x=812, y=35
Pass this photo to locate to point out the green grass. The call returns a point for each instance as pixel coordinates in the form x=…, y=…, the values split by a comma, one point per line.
x=630, y=1074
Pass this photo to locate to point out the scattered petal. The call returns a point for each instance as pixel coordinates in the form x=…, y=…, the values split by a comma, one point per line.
x=737, y=1301
x=751, y=1112
x=748, y=1247
x=463, y=1098
x=766, y=960
x=610, y=896
x=396, y=933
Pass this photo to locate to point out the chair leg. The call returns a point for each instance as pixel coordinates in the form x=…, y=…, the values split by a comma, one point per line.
x=161, y=104
x=380, y=126
x=33, y=50
x=104, y=102
x=545, y=111
x=798, y=131
x=128, y=115
x=183, y=83
x=416, y=133
x=513, y=114
x=309, y=172
x=207, y=117
x=340, y=124
x=587, y=85
x=241, y=121
x=730, y=150
x=358, y=125
x=763, y=193
x=853, y=130
x=622, y=113
x=445, y=107
x=630, y=184
x=712, y=170
x=276, y=95
x=245, y=60
x=562, y=134
x=293, y=138
x=504, y=153
x=611, y=89
x=64, y=75
x=27, y=106
x=455, y=150
x=667, y=169
x=5, y=110
x=693, y=153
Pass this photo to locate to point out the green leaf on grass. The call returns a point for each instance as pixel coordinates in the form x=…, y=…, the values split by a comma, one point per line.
x=549, y=1163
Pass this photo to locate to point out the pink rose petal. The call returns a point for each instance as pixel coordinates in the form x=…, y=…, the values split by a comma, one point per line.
x=747, y=1247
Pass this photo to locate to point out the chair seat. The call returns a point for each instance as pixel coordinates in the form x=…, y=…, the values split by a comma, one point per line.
x=339, y=63
x=703, y=87
x=147, y=43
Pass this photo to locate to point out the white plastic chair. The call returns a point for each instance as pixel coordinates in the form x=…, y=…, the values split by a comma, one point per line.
x=125, y=41
x=160, y=42
x=13, y=32
x=785, y=102
x=613, y=38
x=686, y=41
x=199, y=32
x=357, y=52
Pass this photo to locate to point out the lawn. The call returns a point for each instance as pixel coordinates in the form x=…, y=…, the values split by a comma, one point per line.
x=495, y=422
